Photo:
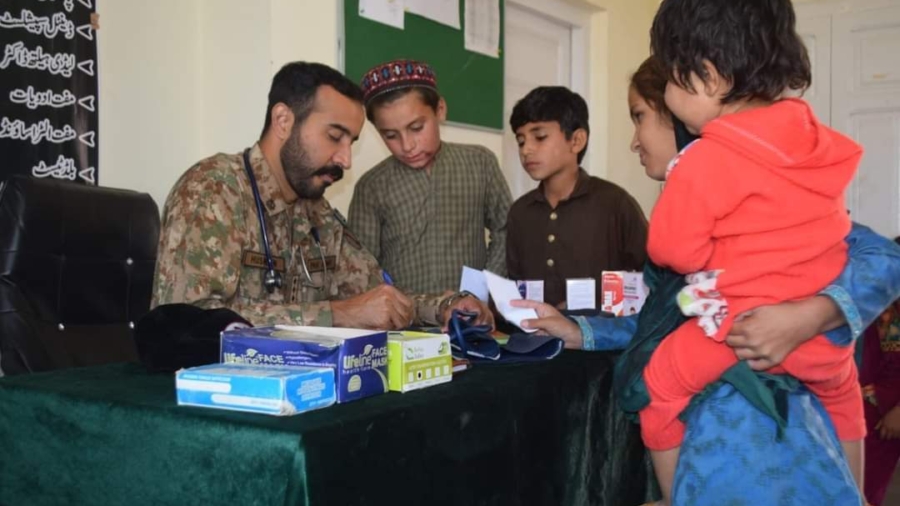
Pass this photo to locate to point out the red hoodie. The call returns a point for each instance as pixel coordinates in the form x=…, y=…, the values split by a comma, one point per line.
x=761, y=196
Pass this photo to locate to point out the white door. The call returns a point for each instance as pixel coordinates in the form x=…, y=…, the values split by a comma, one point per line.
x=866, y=105
x=816, y=34
x=538, y=52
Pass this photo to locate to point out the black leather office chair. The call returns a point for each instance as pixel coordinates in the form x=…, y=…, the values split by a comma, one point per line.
x=76, y=270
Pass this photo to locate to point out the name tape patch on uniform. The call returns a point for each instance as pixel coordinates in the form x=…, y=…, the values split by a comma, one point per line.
x=258, y=261
x=315, y=264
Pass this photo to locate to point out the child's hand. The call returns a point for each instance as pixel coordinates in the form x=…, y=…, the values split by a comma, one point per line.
x=889, y=426
x=551, y=321
x=766, y=335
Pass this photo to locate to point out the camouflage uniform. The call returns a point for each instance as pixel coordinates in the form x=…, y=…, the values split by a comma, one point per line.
x=211, y=251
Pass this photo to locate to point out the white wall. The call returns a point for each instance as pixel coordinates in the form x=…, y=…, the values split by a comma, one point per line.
x=183, y=79
x=627, y=32
x=149, y=112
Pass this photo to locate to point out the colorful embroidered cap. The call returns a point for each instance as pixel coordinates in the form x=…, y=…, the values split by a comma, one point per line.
x=397, y=74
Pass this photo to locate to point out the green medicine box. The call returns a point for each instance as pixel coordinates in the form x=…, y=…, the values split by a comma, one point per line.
x=418, y=360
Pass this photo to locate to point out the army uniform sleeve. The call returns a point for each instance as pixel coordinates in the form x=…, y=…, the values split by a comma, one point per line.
x=427, y=308
x=360, y=272
x=496, y=210
x=203, y=234
x=199, y=256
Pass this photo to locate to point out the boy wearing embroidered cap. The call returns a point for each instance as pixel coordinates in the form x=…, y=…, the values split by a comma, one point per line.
x=423, y=211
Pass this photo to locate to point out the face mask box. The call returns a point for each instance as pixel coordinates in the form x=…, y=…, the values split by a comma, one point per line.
x=418, y=360
x=269, y=390
x=623, y=293
x=358, y=357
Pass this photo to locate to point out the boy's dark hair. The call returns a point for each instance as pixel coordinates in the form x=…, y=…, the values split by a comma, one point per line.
x=752, y=43
x=429, y=96
x=553, y=103
x=650, y=83
x=296, y=84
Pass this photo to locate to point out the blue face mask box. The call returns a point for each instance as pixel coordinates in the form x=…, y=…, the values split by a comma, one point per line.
x=270, y=390
x=358, y=357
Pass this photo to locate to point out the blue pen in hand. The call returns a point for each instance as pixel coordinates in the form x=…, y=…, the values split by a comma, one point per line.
x=387, y=277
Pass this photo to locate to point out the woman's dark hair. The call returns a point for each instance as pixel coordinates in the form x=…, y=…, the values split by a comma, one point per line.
x=553, y=103
x=296, y=84
x=429, y=96
x=752, y=43
x=650, y=83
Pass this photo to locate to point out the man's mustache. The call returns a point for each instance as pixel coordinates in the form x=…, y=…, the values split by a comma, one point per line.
x=334, y=171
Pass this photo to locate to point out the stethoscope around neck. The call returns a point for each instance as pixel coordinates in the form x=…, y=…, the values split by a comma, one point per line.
x=272, y=279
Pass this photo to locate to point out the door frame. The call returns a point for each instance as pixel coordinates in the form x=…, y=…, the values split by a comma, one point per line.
x=578, y=18
x=578, y=15
x=833, y=11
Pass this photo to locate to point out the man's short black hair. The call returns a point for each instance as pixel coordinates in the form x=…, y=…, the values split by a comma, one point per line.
x=296, y=84
x=429, y=96
x=752, y=43
x=553, y=103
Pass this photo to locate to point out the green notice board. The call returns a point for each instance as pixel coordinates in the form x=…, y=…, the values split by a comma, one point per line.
x=471, y=83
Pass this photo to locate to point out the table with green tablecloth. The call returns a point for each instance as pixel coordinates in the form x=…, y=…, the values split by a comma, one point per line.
x=539, y=433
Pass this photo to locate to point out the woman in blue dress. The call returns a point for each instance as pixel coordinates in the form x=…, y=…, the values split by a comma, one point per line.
x=727, y=437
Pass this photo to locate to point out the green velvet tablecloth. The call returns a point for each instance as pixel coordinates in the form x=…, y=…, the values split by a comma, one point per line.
x=544, y=433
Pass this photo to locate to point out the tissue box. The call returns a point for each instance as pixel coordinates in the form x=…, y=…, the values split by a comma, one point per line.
x=418, y=360
x=358, y=357
x=270, y=390
x=623, y=293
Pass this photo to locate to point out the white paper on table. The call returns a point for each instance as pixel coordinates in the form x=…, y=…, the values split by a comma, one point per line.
x=473, y=280
x=445, y=12
x=482, y=31
x=389, y=12
x=581, y=294
x=503, y=291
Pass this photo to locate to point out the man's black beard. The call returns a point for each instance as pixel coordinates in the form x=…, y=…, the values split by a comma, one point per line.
x=297, y=170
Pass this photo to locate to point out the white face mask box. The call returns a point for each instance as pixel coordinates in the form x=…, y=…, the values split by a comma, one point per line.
x=257, y=389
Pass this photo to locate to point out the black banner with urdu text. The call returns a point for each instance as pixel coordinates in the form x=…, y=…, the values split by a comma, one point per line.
x=48, y=89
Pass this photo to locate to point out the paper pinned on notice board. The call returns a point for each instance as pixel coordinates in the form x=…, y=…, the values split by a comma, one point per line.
x=482, y=31
x=445, y=12
x=388, y=12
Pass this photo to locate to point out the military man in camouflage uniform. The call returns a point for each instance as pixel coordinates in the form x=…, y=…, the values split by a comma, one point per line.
x=211, y=248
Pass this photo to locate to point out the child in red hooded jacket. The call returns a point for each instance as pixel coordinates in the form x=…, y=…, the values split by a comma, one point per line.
x=752, y=212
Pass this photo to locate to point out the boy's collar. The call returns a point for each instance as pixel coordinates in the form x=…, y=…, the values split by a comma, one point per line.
x=581, y=188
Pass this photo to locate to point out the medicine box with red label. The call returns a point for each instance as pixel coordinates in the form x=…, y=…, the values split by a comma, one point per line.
x=623, y=293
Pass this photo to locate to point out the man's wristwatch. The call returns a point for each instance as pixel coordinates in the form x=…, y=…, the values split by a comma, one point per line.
x=452, y=299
